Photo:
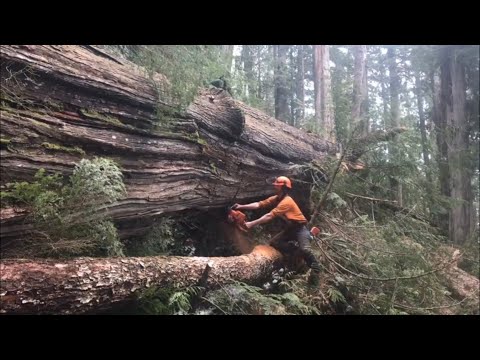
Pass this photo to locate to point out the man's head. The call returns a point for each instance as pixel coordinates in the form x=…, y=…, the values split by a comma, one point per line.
x=281, y=183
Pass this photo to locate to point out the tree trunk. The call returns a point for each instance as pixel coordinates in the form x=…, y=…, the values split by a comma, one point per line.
x=292, y=90
x=300, y=87
x=366, y=104
x=281, y=88
x=359, y=91
x=90, y=284
x=228, y=53
x=423, y=132
x=438, y=118
x=317, y=84
x=89, y=105
x=396, y=186
x=247, y=55
x=327, y=101
x=457, y=145
x=323, y=91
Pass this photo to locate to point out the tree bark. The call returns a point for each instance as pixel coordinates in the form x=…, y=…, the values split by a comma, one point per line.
x=74, y=98
x=327, y=100
x=457, y=145
x=323, y=92
x=396, y=186
x=247, y=55
x=423, y=133
x=281, y=88
x=300, y=87
x=228, y=52
x=359, y=91
x=317, y=84
x=90, y=284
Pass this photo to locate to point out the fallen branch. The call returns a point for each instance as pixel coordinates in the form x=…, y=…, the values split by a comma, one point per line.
x=369, y=198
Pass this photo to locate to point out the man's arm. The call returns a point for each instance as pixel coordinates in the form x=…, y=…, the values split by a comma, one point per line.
x=264, y=219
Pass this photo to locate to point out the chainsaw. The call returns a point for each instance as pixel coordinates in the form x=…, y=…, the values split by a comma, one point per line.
x=239, y=219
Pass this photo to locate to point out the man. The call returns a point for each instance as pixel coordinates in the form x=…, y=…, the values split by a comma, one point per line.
x=221, y=83
x=296, y=229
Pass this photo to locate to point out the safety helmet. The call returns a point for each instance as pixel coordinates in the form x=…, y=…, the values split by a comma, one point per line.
x=283, y=180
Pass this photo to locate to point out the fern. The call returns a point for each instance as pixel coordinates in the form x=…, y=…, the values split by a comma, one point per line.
x=335, y=296
x=180, y=302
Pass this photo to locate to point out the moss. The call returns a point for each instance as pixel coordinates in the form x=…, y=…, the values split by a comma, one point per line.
x=95, y=115
x=53, y=104
x=214, y=168
x=70, y=150
x=195, y=137
x=5, y=141
x=39, y=123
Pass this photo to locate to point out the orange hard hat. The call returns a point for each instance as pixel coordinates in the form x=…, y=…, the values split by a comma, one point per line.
x=283, y=180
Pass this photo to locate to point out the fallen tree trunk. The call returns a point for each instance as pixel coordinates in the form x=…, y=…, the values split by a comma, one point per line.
x=60, y=104
x=463, y=285
x=91, y=284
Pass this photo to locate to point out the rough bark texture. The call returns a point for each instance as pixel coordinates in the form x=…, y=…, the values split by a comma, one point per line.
x=359, y=91
x=423, y=131
x=74, y=97
x=395, y=116
x=281, y=87
x=90, y=284
x=323, y=92
x=317, y=83
x=457, y=146
x=327, y=100
x=228, y=52
x=300, y=87
x=438, y=118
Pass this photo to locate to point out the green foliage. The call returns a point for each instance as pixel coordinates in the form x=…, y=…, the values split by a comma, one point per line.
x=242, y=299
x=70, y=219
x=106, y=118
x=187, y=67
x=95, y=182
x=25, y=193
x=335, y=295
x=165, y=237
x=166, y=300
x=70, y=150
x=154, y=301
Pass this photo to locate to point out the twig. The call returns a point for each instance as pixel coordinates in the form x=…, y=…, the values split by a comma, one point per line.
x=218, y=307
x=432, y=307
x=389, y=279
x=357, y=242
x=327, y=190
x=393, y=294
x=369, y=198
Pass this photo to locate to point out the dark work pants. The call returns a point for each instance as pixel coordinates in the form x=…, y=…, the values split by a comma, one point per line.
x=296, y=232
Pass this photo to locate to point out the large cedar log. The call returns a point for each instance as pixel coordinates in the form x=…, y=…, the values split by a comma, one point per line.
x=92, y=284
x=74, y=96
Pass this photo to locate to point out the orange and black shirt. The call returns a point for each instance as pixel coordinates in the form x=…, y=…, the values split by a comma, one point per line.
x=287, y=209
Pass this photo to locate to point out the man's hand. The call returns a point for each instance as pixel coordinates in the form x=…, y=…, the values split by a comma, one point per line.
x=249, y=224
x=235, y=207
